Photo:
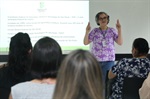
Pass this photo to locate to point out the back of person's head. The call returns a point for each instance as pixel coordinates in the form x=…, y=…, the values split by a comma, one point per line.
x=46, y=58
x=141, y=47
x=19, y=54
x=79, y=77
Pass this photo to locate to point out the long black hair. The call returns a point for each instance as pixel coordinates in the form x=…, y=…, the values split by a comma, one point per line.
x=19, y=55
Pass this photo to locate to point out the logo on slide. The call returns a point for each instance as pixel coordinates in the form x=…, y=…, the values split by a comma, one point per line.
x=41, y=7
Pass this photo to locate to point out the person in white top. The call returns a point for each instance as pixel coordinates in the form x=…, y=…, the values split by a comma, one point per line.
x=46, y=59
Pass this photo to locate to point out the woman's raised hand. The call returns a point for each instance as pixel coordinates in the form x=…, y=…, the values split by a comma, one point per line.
x=88, y=27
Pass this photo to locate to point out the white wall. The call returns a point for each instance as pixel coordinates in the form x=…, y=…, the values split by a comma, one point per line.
x=134, y=16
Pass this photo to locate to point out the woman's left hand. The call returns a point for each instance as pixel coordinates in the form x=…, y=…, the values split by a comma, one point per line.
x=118, y=25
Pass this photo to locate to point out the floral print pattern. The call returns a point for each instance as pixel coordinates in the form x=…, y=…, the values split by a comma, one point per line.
x=103, y=43
x=128, y=67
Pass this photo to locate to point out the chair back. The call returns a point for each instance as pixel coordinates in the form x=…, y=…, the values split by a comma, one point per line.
x=131, y=87
x=108, y=85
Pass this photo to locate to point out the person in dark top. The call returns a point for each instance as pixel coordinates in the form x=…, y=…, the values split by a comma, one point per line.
x=16, y=69
x=138, y=66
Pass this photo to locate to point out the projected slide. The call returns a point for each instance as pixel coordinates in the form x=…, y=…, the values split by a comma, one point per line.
x=65, y=21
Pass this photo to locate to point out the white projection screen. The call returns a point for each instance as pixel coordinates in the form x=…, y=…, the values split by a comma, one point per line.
x=63, y=20
x=66, y=20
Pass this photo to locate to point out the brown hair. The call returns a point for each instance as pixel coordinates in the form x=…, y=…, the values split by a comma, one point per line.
x=79, y=77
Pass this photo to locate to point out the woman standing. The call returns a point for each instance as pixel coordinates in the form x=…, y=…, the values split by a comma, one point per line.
x=102, y=39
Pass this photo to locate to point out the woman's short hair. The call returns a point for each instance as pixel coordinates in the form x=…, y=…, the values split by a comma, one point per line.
x=46, y=58
x=141, y=45
x=97, y=17
x=79, y=77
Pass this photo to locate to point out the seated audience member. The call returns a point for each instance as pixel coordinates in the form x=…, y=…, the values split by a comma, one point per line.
x=46, y=58
x=138, y=66
x=79, y=77
x=15, y=70
x=144, y=91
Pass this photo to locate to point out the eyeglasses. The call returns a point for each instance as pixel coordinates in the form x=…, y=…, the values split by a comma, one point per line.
x=104, y=18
